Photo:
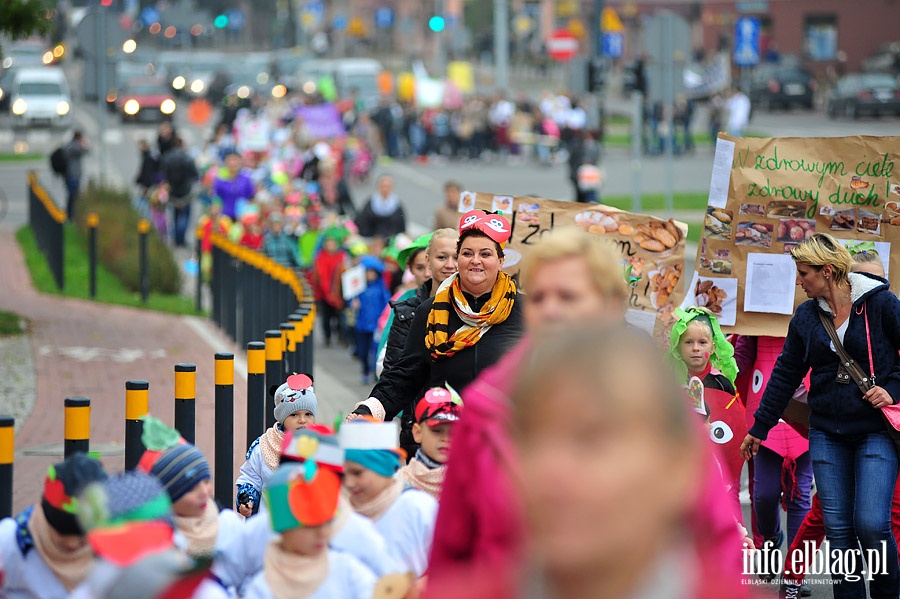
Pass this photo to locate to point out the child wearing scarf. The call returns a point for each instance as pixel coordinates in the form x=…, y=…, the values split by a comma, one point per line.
x=352, y=534
x=43, y=549
x=202, y=530
x=436, y=412
x=405, y=516
x=302, y=502
x=131, y=530
x=295, y=408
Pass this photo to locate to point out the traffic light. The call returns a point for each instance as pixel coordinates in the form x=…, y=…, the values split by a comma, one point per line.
x=596, y=75
x=106, y=3
x=221, y=21
x=436, y=23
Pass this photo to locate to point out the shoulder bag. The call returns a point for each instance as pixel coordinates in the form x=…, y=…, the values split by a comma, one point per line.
x=849, y=370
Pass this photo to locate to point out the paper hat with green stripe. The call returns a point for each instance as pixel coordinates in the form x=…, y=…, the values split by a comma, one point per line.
x=315, y=443
x=372, y=444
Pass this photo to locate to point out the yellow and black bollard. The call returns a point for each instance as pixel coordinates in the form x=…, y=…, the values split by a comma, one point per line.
x=92, y=221
x=224, y=447
x=7, y=454
x=143, y=230
x=296, y=319
x=77, y=426
x=256, y=391
x=274, y=371
x=137, y=405
x=185, y=396
x=288, y=337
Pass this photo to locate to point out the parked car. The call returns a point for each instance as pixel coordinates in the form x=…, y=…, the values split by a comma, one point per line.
x=864, y=93
x=145, y=99
x=781, y=86
x=40, y=96
x=885, y=59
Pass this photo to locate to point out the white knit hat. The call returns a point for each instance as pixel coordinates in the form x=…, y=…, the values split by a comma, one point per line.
x=294, y=395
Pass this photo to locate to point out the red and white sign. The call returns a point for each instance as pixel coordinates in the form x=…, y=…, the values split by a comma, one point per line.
x=562, y=45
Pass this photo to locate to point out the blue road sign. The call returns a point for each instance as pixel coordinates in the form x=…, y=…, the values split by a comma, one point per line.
x=150, y=15
x=613, y=45
x=384, y=17
x=340, y=22
x=746, y=42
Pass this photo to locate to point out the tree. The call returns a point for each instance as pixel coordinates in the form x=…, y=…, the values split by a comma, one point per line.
x=22, y=18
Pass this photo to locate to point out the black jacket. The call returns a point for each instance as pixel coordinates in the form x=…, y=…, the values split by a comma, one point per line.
x=417, y=371
x=372, y=225
x=837, y=409
x=180, y=172
x=404, y=311
x=146, y=176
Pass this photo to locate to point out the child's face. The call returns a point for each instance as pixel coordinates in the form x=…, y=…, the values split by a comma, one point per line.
x=435, y=440
x=308, y=540
x=298, y=420
x=68, y=543
x=371, y=276
x=193, y=503
x=363, y=484
x=330, y=246
x=419, y=269
x=873, y=268
x=695, y=347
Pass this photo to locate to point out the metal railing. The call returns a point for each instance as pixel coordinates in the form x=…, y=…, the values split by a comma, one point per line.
x=46, y=220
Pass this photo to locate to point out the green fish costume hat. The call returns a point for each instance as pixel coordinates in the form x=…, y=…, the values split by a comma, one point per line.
x=722, y=356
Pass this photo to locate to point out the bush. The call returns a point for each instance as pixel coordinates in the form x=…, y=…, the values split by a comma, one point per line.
x=118, y=245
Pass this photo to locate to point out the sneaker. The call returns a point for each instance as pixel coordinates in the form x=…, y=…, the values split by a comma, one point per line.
x=789, y=590
x=805, y=591
x=771, y=544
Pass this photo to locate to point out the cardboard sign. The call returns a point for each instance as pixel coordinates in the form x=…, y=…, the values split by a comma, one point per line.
x=769, y=194
x=652, y=247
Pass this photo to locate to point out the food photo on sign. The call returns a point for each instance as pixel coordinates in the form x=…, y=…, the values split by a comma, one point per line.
x=766, y=196
x=652, y=249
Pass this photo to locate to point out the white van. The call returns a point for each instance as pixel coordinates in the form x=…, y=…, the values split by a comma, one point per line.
x=40, y=96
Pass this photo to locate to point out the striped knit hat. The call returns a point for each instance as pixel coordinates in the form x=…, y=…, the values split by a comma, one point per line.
x=175, y=463
x=179, y=469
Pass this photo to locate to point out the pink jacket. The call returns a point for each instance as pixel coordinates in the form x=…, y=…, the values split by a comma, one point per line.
x=480, y=533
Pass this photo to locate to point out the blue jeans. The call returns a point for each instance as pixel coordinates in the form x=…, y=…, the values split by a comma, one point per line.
x=73, y=185
x=182, y=217
x=855, y=475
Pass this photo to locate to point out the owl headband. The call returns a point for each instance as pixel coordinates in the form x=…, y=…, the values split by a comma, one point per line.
x=496, y=227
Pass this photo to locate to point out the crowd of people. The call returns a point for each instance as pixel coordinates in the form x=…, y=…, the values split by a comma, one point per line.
x=512, y=446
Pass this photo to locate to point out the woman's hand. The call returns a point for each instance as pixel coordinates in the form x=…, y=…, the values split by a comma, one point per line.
x=351, y=417
x=749, y=447
x=878, y=397
x=246, y=509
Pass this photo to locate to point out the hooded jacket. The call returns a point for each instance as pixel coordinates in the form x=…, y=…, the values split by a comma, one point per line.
x=837, y=408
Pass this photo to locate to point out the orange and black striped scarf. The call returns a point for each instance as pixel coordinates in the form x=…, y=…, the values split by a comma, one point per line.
x=438, y=338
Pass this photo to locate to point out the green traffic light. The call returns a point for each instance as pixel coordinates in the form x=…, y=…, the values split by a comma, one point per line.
x=220, y=22
x=436, y=23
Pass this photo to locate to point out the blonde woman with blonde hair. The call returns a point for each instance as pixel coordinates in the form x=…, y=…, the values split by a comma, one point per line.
x=854, y=458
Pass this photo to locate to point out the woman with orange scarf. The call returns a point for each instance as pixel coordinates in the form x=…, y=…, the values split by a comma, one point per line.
x=472, y=321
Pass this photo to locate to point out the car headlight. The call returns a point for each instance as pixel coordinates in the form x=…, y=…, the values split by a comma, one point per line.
x=62, y=108
x=131, y=107
x=19, y=107
x=197, y=86
x=279, y=91
x=178, y=82
x=47, y=58
x=7, y=62
x=167, y=106
x=243, y=92
x=1, y=93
